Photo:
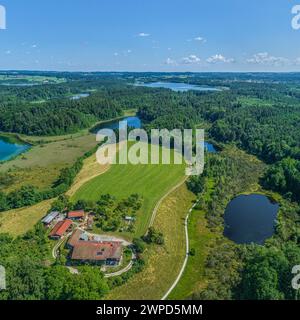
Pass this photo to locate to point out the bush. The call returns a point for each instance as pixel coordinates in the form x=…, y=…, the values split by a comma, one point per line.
x=139, y=245
x=154, y=236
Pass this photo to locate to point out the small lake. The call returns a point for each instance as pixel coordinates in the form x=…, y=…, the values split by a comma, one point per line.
x=80, y=96
x=132, y=122
x=177, y=86
x=209, y=147
x=250, y=219
x=10, y=149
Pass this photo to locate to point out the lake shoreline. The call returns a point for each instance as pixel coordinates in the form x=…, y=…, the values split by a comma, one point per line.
x=177, y=86
x=14, y=147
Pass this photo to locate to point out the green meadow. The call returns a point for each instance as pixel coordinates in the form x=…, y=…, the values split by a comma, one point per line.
x=152, y=182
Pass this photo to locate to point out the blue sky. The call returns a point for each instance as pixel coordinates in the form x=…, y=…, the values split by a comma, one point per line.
x=150, y=35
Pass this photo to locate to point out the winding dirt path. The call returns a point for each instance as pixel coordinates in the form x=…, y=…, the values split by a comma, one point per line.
x=124, y=270
x=154, y=213
x=187, y=253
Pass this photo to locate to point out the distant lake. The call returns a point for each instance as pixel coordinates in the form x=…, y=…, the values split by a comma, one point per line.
x=9, y=149
x=250, y=218
x=80, y=96
x=177, y=86
x=19, y=84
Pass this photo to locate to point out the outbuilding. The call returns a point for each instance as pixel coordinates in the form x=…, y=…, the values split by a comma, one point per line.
x=76, y=215
x=60, y=229
x=50, y=218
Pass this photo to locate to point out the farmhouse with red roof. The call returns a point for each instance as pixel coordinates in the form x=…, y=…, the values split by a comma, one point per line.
x=85, y=250
x=97, y=252
x=76, y=215
x=60, y=229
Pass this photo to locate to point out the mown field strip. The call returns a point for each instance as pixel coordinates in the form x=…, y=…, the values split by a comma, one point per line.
x=152, y=182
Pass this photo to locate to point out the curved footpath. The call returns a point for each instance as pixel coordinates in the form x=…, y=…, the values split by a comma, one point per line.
x=119, y=273
x=124, y=270
x=186, y=253
x=163, y=198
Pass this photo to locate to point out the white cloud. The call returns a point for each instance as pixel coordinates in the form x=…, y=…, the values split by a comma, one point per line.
x=200, y=39
x=8, y=52
x=143, y=34
x=219, y=58
x=265, y=58
x=170, y=61
x=34, y=46
x=191, y=59
x=116, y=54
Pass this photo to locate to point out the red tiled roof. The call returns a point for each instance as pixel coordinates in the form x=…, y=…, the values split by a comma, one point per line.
x=75, y=237
x=97, y=251
x=76, y=214
x=60, y=228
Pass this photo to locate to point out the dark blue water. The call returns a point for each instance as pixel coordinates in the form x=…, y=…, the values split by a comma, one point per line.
x=250, y=219
x=132, y=122
x=209, y=147
x=9, y=150
x=176, y=86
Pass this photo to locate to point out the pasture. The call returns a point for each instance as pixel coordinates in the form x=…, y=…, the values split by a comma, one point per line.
x=152, y=182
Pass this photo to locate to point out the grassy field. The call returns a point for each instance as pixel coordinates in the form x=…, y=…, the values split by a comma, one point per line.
x=41, y=165
x=249, y=101
x=19, y=221
x=162, y=263
x=91, y=169
x=19, y=79
x=150, y=181
x=201, y=238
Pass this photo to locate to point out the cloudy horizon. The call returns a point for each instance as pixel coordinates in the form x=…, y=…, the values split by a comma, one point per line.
x=168, y=36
